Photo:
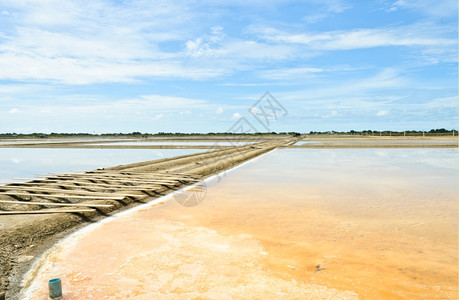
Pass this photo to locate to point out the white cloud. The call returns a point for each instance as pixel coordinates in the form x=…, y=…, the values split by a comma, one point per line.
x=382, y=113
x=290, y=73
x=160, y=102
x=15, y=89
x=81, y=42
x=158, y=117
x=430, y=43
x=434, y=8
x=207, y=45
x=198, y=48
x=85, y=42
x=257, y=84
x=358, y=38
x=330, y=10
x=93, y=70
x=236, y=53
x=329, y=5
x=311, y=19
x=219, y=110
x=355, y=94
x=99, y=13
x=385, y=79
x=237, y=116
x=443, y=102
x=156, y=105
x=331, y=114
x=217, y=31
x=74, y=113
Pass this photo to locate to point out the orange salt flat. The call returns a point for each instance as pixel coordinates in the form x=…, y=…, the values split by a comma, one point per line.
x=294, y=224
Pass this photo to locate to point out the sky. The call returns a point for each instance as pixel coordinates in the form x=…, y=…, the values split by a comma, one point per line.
x=101, y=66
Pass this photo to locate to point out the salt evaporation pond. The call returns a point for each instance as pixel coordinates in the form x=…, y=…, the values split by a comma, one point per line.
x=55, y=140
x=180, y=143
x=295, y=223
x=27, y=162
x=300, y=143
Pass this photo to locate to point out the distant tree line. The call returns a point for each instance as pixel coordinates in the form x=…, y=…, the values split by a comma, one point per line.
x=432, y=132
x=137, y=134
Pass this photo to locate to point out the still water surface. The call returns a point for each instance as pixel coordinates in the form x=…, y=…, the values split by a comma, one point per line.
x=181, y=143
x=295, y=223
x=27, y=162
x=300, y=143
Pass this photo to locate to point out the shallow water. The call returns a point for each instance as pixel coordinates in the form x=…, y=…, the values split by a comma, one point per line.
x=181, y=143
x=305, y=143
x=57, y=140
x=27, y=162
x=296, y=223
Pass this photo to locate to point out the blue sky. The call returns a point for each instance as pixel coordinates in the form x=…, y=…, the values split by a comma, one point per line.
x=198, y=66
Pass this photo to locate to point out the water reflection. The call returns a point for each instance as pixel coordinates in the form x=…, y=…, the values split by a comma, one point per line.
x=56, y=140
x=181, y=143
x=305, y=143
x=296, y=223
x=27, y=162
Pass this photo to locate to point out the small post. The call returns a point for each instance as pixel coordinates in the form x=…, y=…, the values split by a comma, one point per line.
x=390, y=133
x=453, y=132
x=404, y=133
x=55, y=289
x=423, y=134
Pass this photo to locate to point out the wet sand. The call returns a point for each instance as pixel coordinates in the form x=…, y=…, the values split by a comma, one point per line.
x=314, y=224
